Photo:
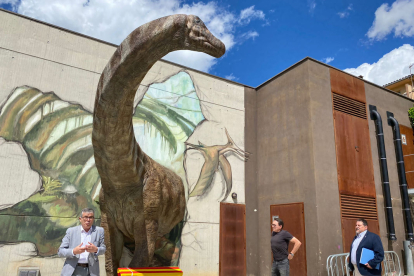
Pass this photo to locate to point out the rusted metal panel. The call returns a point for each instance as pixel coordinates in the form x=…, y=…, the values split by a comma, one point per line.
x=347, y=85
x=410, y=179
x=409, y=163
x=349, y=106
x=293, y=217
x=232, y=252
x=353, y=155
x=408, y=151
x=408, y=132
x=358, y=207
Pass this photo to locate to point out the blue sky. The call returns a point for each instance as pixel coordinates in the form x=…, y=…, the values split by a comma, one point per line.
x=370, y=38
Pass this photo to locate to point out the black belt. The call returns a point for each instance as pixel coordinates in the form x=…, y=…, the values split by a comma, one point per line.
x=83, y=265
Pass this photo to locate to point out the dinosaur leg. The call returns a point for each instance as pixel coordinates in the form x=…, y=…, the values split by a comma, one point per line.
x=140, y=258
x=152, y=234
x=114, y=240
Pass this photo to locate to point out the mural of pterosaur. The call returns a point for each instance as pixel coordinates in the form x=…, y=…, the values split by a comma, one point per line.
x=214, y=157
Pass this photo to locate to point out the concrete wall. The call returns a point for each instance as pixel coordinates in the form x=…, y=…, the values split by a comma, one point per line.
x=326, y=179
x=36, y=58
x=252, y=201
x=286, y=164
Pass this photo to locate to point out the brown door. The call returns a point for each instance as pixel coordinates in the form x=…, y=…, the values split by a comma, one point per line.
x=232, y=255
x=293, y=218
x=408, y=151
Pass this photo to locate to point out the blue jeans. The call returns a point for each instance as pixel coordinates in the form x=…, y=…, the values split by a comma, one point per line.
x=280, y=268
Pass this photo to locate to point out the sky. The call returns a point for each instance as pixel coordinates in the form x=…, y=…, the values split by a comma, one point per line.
x=372, y=38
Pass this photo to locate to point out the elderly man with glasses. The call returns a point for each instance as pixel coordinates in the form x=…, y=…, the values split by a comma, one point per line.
x=280, y=242
x=81, y=246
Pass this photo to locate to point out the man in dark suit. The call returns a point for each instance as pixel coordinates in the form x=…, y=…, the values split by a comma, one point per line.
x=368, y=240
x=81, y=246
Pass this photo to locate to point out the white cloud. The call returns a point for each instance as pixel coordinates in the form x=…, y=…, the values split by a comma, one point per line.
x=248, y=35
x=328, y=59
x=12, y=3
x=112, y=21
x=346, y=12
x=392, y=66
x=311, y=5
x=399, y=19
x=249, y=14
x=232, y=77
x=343, y=14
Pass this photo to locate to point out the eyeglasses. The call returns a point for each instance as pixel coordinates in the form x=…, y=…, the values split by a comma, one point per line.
x=86, y=218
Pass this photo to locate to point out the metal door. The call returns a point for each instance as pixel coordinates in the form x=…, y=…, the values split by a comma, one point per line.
x=293, y=218
x=232, y=255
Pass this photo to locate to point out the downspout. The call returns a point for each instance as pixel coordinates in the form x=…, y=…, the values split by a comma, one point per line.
x=384, y=170
x=401, y=175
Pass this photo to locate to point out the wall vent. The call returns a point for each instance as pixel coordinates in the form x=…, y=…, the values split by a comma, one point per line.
x=354, y=207
x=349, y=106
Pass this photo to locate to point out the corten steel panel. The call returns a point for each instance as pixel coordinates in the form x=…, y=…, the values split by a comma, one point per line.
x=409, y=148
x=353, y=155
x=293, y=218
x=348, y=231
x=232, y=252
x=347, y=85
x=408, y=151
x=410, y=179
x=409, y=163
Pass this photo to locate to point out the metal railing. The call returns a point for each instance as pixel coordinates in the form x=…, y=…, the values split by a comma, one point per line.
x=337, y=265
x=391, y=264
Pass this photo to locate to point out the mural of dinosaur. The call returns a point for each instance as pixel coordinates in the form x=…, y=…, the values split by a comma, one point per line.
x=56, y=136
x=140, y=199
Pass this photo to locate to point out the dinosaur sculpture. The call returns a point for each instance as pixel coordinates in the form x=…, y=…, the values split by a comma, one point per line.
x=140, y=199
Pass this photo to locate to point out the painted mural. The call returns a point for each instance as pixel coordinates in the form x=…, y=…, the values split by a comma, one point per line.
x=56, y=137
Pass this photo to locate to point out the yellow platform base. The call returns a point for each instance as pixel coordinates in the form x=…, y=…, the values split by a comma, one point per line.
x=150, y=271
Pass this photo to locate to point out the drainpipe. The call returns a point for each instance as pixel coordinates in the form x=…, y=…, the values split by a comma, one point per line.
x=404, y=193
x=401, y=175
x=384, y=171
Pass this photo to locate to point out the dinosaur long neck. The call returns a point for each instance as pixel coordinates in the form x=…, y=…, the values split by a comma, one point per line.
x=119, y=159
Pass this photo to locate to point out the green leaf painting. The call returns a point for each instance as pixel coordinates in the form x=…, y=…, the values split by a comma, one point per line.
x=56, y=136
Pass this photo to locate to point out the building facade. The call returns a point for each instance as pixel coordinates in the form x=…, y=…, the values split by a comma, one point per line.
x=303, y=148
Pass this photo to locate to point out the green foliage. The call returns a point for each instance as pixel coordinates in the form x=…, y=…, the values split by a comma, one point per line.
x=51, y=187
x=411, y=115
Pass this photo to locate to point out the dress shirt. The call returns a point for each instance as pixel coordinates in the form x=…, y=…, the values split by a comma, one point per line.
x=355, y=245
x=85, y=239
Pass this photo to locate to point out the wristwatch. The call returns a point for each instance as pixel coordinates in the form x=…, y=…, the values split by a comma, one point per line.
x=292, y=254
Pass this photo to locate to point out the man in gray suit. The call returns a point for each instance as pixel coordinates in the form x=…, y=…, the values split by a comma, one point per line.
x=81, y=247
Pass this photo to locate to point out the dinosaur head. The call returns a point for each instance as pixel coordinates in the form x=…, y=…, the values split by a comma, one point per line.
x=198, y=38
